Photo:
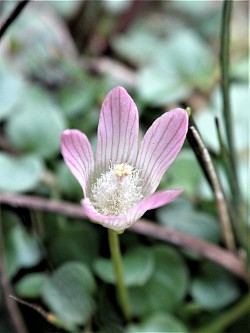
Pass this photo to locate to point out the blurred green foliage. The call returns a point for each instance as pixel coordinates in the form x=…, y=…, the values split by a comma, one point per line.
x=58, y=61
x=69, y=293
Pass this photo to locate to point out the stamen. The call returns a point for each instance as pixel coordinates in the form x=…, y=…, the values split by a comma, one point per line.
x=117, y=190
x=122, y=170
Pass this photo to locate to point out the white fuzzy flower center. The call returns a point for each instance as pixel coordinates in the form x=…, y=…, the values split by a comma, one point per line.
x=117, y=190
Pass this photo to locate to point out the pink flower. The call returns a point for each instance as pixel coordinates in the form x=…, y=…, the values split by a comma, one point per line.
x=119, y=186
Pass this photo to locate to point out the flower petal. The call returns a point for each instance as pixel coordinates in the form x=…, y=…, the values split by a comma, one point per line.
x=156, y=200
x=118, y=223
x=78, y=156
x=117, y=130
x=160, y=146
x=122, y=222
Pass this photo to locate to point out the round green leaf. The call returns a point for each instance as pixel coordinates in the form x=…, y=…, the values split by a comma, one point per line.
x=172, y=74
x=214, y=288
x=11, y=90
x=158, y=322
x=137, y=46
x=117, y=7
x=75, y=242
x=30, y=285
x=104, y=269
x=158, y=84
x=19, y=174
x=37, y=126
x=79, y=97
x=65, y=8
x=196, y=64
x=199, y=11
x=68, y=293
x=184, y=173
x=67, y=183
x=22, y=250
x=138, y=265
x=181, y=216
x=41, y=44
x=166, y=287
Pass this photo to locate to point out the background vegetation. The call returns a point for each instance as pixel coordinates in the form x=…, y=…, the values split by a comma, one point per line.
x=58, y=60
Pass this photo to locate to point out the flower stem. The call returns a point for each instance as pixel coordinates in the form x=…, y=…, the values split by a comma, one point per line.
x=118, y=269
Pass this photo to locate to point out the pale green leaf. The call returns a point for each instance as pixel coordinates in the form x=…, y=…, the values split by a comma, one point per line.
x=68, y=293
x=19, y=174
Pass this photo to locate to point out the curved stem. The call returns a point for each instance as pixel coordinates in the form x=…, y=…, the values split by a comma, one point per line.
x=13, y=16
x=118, y=269
x=208, y=250
x=228, y=317
x=208, y=167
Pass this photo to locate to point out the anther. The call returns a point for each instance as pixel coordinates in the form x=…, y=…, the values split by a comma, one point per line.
x=122, y=170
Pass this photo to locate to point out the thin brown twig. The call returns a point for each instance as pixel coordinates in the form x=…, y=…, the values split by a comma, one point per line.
x=208, y=250
x=205, y=160
x=12, y=17
x=50, y=317
x=12, y=307
x=143, y=227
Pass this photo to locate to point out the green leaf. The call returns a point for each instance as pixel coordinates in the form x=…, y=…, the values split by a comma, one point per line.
x=240, y=106
x=240, y=69
x=244, y=179
x=199, y=11
x=65, y=8
x=181, y=216
x=38, y=125
x=167, y=286
x=137, y=45
x=196, y=63
x=68, y=293
x=76, y=99
x=19, y=174
x=30, y=286
x=22, y=250
x=70, y=99
x=184, y=173
x=135, y=262
x=158, y=84
x=75, y=242
x=117, y=7
x=214, y=288
x=67, y=183
x=158, y=322
x=11, y=90
x=178, y=65
x=38, y=43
